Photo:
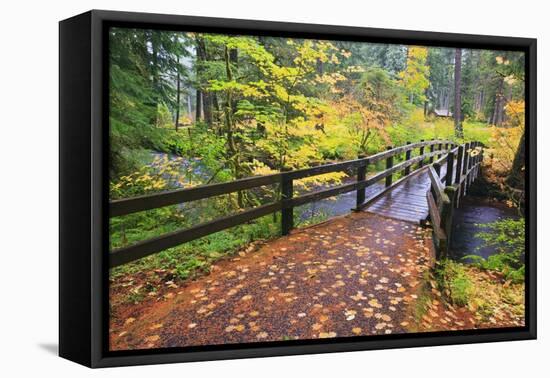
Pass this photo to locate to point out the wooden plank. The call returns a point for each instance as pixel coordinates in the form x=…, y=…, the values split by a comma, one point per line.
x=153, y=201
x=328, y=168
x=319, y=195
x=407, y=170
x=444, y=156
x=421, y=152
x=400, y=216
x=352, y=164
x=416, y=215
x=449, y=170
x=403, y=202
x=389, y=165
x=384, y=191
x=287, y=214
x=361, y=193
x=398, y=150
x=436, y=185
x=399, y=205
x=435, y=217
x=148, y=247
x=459, y=162
x=381, y=175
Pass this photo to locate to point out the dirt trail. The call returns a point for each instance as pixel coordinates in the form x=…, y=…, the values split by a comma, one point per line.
x=354, y=275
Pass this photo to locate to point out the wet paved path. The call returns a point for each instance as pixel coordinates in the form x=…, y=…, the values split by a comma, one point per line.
x=354, y=275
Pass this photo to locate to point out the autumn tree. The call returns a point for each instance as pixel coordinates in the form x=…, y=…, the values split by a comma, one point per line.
x=414, y=77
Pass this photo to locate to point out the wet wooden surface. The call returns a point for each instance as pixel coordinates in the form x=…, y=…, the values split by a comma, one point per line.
x=407, y=201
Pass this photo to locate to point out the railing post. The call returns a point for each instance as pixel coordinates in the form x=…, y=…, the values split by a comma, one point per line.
x=465, y=167
x=478, y=163
x=437, y=169
x=466, y=158
x=476, y=168
x=389, y=164
x=287, y=213
x=361, y=176
x=421, y=152
x=407, y=169
x=459, y=158
x=432, y=147
x=480, y=160
x=458, y=174
x=471, y=162
x=449, y=173
x=447, y=218
x=440, y=147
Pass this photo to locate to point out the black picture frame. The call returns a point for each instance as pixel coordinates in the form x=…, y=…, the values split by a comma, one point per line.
x=83, y=196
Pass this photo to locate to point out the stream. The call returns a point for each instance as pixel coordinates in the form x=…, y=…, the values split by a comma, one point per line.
x=469, y=219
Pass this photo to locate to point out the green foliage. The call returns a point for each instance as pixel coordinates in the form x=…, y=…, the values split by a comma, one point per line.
x=190, y=259
x=142, y=66
x=507, y=238
x=415, y=127
x=415, y=77
x=454, y=282
x=488, y=299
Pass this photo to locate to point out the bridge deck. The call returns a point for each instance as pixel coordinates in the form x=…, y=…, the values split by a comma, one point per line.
x=407, y=201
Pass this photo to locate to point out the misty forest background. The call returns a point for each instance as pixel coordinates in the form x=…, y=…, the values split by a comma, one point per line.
x=189, y=109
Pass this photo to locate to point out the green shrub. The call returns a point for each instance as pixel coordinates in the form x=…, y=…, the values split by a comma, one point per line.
x=507, y=237
x=454, y=282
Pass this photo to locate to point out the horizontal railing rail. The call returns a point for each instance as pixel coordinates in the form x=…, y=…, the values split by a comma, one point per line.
x=286, y=204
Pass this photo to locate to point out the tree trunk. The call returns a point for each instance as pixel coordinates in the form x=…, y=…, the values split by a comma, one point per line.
x=498, y=110
x=207, y=107
x=198, y=107
x=217, y=112
x=154, y=39
x=200, y=47
x=178, y=99
x=457, y=113
x=234, y=156
x=426, y=102
x=319, y=67
x=206, y=97
x=516, y=177
x=189, y=105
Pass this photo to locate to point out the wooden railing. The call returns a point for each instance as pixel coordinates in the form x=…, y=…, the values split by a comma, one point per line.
x=462, y=168
x=410, y=165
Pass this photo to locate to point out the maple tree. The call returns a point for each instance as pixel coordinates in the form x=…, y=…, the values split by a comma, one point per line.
x=415, y=77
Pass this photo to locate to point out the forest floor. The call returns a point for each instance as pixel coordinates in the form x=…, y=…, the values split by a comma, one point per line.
x=359, y=274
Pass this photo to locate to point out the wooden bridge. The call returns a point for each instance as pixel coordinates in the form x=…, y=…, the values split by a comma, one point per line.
x=420, y=182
